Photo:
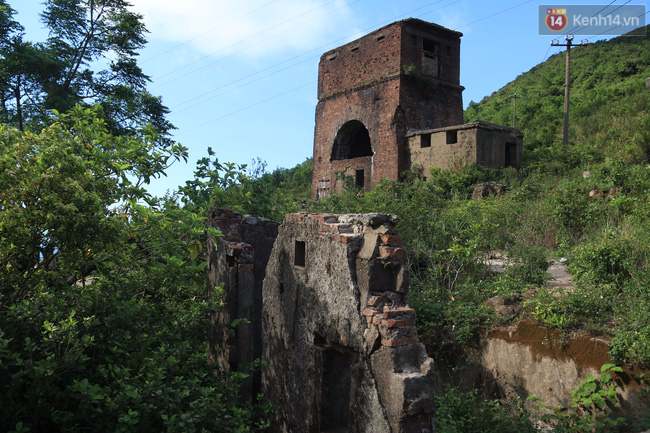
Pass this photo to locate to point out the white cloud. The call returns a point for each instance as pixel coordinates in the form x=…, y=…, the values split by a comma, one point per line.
x=453, y=18
x=249, y=28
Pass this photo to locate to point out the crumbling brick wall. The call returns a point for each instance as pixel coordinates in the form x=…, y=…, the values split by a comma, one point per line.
x=403, y=76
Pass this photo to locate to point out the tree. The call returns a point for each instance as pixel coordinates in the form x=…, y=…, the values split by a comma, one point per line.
x=88, y=59
x=104, y=316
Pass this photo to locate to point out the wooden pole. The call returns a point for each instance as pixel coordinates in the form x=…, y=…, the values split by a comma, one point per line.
x=567, y=83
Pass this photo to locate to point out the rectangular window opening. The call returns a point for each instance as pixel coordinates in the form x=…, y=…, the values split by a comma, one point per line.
x=511, y=155
x=359, y=178
x=452, y=137
x=430, y=46
x=299, y=254
x=425, y=140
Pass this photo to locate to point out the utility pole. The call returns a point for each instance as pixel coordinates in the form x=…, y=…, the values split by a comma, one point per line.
x=568, y=45
x=514, y=110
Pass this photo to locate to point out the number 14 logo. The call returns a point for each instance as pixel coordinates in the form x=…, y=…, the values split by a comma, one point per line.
x=556, y=19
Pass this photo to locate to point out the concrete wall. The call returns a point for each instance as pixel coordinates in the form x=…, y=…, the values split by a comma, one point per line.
x=529, y=359
x=478, y=142
x=438, y=153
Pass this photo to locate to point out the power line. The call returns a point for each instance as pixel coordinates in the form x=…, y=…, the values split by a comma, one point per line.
x=272, y=73
x=248, y=38
x=495, y=14
x=297, y=88
x=320, y=48
x=572, y=31
x=248, y=106
x=609, y=30
x=212, y=29
x=293, y=28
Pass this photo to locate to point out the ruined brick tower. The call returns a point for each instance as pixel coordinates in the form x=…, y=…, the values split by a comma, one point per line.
x=372, y=91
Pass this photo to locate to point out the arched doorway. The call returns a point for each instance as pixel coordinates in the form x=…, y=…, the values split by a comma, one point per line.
x=352, y=141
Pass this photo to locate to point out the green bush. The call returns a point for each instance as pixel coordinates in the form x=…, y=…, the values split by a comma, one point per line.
x=463, y=412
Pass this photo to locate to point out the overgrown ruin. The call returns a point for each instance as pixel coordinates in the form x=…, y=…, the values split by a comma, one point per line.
x=327, y=309
x=323, y=299
x=324, y=302
x=392, y=100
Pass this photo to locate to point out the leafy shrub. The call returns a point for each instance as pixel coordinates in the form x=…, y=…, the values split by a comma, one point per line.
x=460, y=412
x=608, y=260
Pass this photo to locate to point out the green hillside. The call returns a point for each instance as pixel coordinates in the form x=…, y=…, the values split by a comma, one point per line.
x=607, y=97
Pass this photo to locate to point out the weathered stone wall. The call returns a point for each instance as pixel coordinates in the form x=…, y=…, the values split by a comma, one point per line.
x=326, y=298
x=237, y=265
x=530, y=359
x=340, y=341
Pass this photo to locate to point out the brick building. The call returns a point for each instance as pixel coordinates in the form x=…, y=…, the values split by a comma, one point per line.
x=374, y=91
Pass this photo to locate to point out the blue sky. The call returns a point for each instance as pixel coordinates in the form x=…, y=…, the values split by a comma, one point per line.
x=240, y=77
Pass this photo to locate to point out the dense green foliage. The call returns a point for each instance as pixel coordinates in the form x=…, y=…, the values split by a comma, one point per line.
x=89, y=58
x=104, y=318
x=248, y=189
x=464, y=411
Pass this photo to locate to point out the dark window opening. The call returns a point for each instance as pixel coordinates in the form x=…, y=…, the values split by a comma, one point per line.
x=425, y=140
x=511, y=155
x=452, y=137
x=359, y=178
x=230, y=261
x=380, y=38
x=430, y=46
x=319, y=340
x=431, y=54
x=354, y=49
x=299, y=254
x=352, y=141
x=335, y=390
x=281, y=288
